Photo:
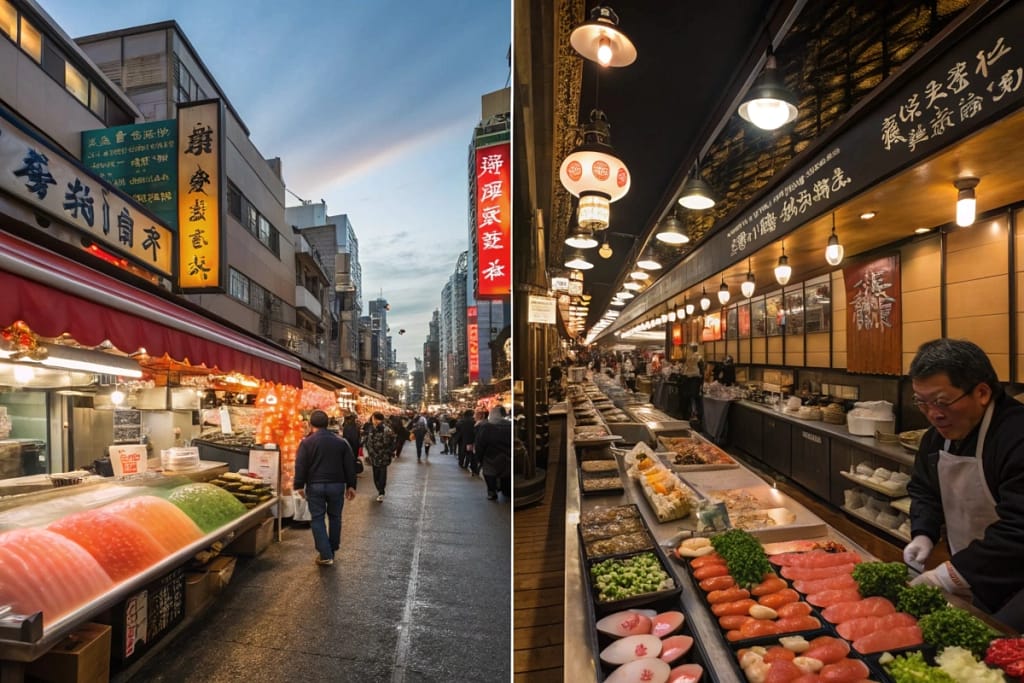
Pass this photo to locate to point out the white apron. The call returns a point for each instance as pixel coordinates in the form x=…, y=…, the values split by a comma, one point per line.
x=968, y=505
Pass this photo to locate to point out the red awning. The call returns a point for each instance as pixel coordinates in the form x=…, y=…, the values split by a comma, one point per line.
x=55, y=295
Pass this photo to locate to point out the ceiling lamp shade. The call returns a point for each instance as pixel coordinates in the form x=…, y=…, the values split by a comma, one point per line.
x=690, y=308
x=606, y=249
x=696, y=194
x=618, y=302
x=601, y=41
x=834, y=250
x=723, y=292
x=648, y=262
x=577, y=261
x=965, y=201
x=769, y=104
x=671, y=316
x=681, y=313
x=595, y=174
x=640, y=274
x=705, y=302
x=783, y=271
x=671, y=231
x=581, y=239
x=634, y=286
x=749, y=285
x=625, y=294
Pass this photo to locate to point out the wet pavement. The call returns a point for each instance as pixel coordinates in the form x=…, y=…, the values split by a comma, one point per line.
x=420, y=591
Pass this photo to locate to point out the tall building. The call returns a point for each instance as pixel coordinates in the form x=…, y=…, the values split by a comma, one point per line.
x=382, y=360
x=488, y=310
x=453, y=351
x=431, y=361
x=334, y=240
x=416, y=383
x=252, y=281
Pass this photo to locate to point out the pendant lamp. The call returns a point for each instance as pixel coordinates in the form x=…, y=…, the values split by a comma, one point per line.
x=696, y=194
x=723, y=292
x=965, y=201
x=769, y=104
x=600, y=39
x=671, y=231
x=577, y=261
x=595, y=174
x=748, y=286
x=581, y=239
x=648, y=261
x=783, y=271
x=834, y=250
x=690, y=308
x=705, y=302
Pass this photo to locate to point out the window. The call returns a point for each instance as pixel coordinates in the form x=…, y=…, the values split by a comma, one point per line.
x=818, y=304
x=234, y=202
x=795, y=310
x=238, y=286
x=775, y=314
x=9, y=20
x=252, y=218
x=76, y=83
x=31, y=40
x=97, y=101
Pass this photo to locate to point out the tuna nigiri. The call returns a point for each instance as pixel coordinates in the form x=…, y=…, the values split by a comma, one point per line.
x=828, y=583
x=815, y=558
x=844, y=671
x=863, y=626
x=874, y=606
x=827, y=598
x=891, y=639
x=794, y=573
x=827, y=649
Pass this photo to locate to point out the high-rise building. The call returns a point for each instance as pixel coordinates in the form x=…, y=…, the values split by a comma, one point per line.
x=382, y=360
x=431, y=361
x=488, y=306
x=452, y=344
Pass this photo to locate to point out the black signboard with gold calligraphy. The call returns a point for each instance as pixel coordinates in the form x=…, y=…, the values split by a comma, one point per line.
x=874, y=332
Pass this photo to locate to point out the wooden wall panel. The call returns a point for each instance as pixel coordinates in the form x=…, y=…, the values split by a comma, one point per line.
x=795, y=351
x=775, y=350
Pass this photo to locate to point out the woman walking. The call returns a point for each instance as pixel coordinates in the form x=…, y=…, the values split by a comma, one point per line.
x=379, y=446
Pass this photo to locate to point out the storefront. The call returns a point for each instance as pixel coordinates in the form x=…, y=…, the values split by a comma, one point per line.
x=809, y=331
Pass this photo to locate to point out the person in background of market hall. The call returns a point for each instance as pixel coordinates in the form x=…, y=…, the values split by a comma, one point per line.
x=401, y=433
x=464, y=436
x=428, y=441
x=479, y=419
x=628, y=375
x=725, y=372
x=325, y=475
x=493, y=448
x=350, y=432
x=969, y=477
x=693, y=378
x=444, y=433
x=379, y=444
x=418, y=426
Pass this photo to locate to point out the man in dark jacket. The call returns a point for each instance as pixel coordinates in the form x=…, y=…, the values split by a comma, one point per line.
x=968, y=477
x=464, y=435
x=325, y=474
x=493, y=450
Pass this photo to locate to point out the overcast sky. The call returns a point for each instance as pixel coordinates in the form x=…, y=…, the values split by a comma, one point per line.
x=371, y=106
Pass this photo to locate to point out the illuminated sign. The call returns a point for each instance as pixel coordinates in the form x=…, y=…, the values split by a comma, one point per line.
x=141, y=160
x=200, y=184
x=473, y=337
x=493, y=221
x=57, y=185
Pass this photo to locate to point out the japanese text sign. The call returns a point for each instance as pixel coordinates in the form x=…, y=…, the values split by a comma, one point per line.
x=55, y=184
x=141, y=160
x=874, y=332
x=473, y=339
x=200, y=186
x=493, y=221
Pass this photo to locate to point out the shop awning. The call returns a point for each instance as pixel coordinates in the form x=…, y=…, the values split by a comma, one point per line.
x=329, y=380
x=55, y=295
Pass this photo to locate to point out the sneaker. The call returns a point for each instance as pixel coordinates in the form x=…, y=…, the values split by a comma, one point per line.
x=380, y=498
x=322, y=562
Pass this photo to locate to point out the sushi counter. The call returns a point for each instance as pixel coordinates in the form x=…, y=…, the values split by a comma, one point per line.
x=660, y=583
x=100, y=550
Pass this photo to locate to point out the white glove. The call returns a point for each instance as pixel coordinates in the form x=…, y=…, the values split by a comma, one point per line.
x=945, y=577
x=917, y=551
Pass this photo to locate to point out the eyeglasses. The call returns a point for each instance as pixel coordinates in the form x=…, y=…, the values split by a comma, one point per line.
x=939, y=404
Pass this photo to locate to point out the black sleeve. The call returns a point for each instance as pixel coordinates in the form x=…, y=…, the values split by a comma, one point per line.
x=348, y=459
x=301, y=465
x=925, y=500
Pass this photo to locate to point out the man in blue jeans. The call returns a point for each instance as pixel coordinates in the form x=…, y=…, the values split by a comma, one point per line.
x=325, y=475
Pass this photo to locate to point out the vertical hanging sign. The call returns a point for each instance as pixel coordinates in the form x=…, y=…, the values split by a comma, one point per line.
x=874, y=327
x=200, y=186
x=473, y=339
x=493, y=221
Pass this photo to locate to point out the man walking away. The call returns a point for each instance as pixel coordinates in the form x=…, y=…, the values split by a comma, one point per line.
x=401, y=433
x=325, y=475
x=419, y=430
x=493, y=450
x=379, y=445
x=464, y=436
x=444, y=432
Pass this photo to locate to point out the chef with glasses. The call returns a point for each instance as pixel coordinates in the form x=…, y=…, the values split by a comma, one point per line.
x=969, y=477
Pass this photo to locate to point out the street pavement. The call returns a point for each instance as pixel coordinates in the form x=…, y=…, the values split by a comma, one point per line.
x=420, y=591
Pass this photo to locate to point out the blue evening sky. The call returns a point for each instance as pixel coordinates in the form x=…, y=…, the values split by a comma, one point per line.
x=371, y=106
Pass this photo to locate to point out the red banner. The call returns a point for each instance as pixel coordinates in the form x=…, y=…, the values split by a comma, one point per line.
x=493, y=221
x=473, y=337
x=874, y=330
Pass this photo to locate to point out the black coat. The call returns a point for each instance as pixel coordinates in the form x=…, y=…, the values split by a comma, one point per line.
x=464, y=432
x=324, y=457
x=992, y=565
x=493, y=448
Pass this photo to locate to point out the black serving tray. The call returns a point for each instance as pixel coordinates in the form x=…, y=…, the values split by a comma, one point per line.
x=587, y=556
x=636, y=601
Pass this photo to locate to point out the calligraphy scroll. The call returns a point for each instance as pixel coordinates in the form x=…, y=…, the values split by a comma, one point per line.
x=874, y=331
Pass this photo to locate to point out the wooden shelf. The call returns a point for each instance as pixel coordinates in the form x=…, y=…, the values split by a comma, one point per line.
x=867, y=520
x=902, y=504
x=890, y=491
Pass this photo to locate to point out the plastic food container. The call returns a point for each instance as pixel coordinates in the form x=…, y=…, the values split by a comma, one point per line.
x=867, y=426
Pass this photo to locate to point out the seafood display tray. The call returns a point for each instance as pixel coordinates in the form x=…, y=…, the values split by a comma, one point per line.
x=641, y=601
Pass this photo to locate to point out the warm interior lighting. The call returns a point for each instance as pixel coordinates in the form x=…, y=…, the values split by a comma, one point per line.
x=769, y=104
x=648, y=261
x=594, y=173
x=606, y=249
x=671, y=231
x=921, y=231
x=671, y=316
x=690, y=308
x=581, y=239
x=705, y=302
x=965, y=201
x=696, y=194
x=749, y=285
x=117, y=397
x=834, y=250
x=577, y=261
x=868, y=215
x=86, y=360
x=723, y=292
x=783, y=271
x=640, y=275
x=23, y=374
x=635, y=286
x=600, y=39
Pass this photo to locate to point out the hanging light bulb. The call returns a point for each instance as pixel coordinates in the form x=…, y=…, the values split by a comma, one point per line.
x=748, y=286
x=723, y=292
x=671, y=231
x=681, y=313
x=783, y=271
x=965, y=201
x=581, y=239
x=696, y=194
x=705, y=302
x=606, y=249
x=671, y=316
x=600, y=39
x=690, y=308
x=577, y=261
x=769, y=104
x=117, y=396
x=834, y=250
x=595, y=174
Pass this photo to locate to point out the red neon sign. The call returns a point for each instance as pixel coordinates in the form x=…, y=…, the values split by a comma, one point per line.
x=493, y=221
x=473, y=337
